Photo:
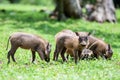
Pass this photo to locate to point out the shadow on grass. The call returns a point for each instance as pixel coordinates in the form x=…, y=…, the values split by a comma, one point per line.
x=24, y=16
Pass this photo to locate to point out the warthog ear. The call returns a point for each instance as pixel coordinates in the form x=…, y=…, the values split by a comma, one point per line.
x=109, y=47
x=89, y=33
x=49, y=46
x=77, y=33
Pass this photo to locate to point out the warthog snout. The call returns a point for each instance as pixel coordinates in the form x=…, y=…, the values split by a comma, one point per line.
x=47, y=59
x=83, y=43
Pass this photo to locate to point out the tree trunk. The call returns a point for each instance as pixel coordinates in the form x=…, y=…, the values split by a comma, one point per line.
x=67, y=9
x=104, y=11
x=60, y=8
x=109, y=10
x=72, y=8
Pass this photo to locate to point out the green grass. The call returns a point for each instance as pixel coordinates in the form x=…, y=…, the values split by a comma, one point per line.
x=27, y=18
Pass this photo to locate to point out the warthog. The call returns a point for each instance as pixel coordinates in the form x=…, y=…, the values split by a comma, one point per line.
x=29, y=41
x=86, y=54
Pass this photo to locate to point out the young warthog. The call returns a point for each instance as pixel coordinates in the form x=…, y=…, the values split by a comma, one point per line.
x=69, y=41
x=29, y=41
x=99, y=47
x=86, y=54
x=58, y=36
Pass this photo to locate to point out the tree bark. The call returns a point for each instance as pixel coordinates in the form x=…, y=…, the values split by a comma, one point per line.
x=109, y=10
x=60, y=8
x=67, y=9
x=72, y=8
x=105, y=11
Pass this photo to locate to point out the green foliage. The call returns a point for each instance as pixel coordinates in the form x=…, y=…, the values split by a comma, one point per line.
x=28, y=19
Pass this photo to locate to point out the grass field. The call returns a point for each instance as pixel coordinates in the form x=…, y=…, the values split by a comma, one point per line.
x=27, y=18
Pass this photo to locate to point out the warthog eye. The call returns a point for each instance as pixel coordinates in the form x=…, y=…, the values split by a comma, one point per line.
x=83, y=39
x=110, y=52
x=80, y=39
x=86, y=38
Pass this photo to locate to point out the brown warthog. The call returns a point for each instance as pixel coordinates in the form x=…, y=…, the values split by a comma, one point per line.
x=86, y=54
x=58, y=36
x=69, y=41
x=29, y=41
